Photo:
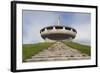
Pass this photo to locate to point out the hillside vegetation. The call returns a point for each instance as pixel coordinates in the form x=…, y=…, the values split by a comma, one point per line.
x=32, y=49
x=82, y=48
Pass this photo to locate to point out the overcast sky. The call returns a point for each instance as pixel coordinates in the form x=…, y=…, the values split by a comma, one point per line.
x=33, y=21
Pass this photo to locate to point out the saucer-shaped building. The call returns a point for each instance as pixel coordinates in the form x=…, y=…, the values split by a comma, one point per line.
x=58, y=32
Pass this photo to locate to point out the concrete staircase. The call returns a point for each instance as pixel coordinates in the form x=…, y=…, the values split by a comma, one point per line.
x=58, y=51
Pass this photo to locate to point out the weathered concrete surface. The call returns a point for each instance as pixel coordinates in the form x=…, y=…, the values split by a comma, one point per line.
x=58, y=51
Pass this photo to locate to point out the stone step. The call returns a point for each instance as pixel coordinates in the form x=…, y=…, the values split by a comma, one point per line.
x=57, y=58
x=58, y=51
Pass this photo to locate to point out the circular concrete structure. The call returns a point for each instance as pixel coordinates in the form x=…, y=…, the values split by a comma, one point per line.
x=58, y=32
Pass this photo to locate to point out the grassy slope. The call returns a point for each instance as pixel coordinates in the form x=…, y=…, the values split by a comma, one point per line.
x=32, y=49
x=82, y=48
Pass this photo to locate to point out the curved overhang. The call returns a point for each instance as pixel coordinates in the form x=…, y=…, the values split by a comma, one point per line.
x=58, y=27
x=58, y=32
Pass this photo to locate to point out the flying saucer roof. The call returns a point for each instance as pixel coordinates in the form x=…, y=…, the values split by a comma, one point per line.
x=58, y=32
x=58, y=27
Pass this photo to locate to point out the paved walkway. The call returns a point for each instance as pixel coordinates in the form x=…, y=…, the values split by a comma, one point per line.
x=58, y=51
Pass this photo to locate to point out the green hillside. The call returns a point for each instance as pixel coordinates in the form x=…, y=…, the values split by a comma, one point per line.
x=82, y=48
x=32, y=49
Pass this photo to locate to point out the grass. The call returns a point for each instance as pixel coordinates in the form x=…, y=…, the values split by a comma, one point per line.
x=32, y=49
x=82, y=48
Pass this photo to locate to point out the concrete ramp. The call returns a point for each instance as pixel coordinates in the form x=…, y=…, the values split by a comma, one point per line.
x=58, y=51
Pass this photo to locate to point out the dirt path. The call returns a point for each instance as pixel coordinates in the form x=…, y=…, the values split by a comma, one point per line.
x=58, y=51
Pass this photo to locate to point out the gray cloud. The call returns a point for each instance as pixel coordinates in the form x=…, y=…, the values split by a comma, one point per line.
x=33, y=21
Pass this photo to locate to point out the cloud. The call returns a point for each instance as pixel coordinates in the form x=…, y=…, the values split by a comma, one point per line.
x=82, y=23
x=33, y=21
x=83, y=33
